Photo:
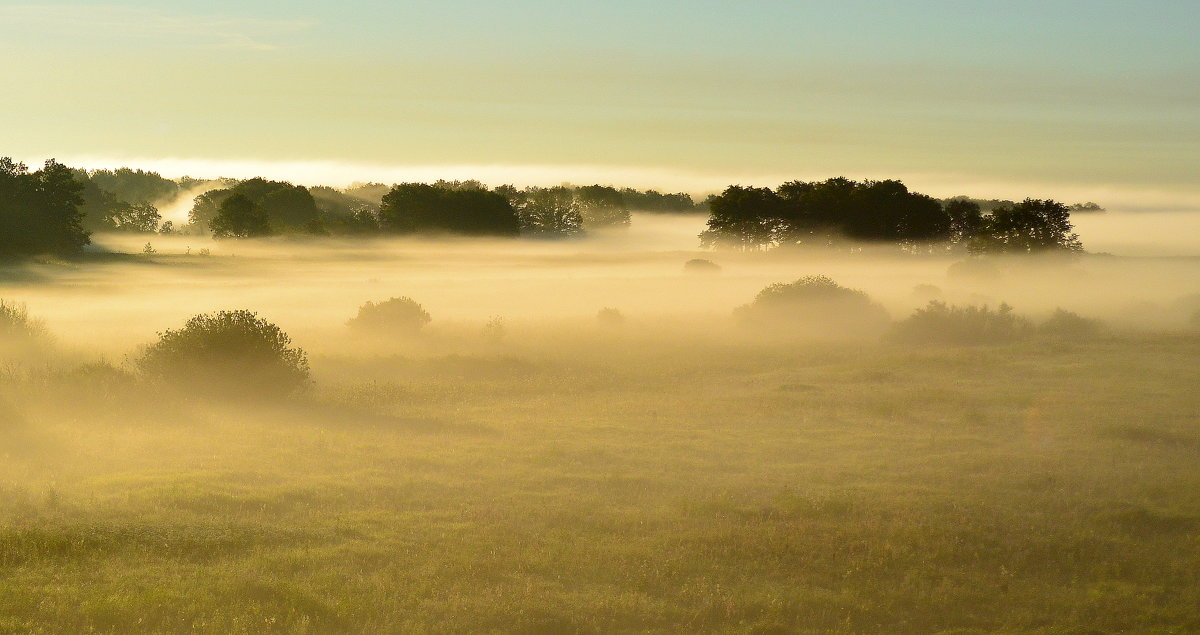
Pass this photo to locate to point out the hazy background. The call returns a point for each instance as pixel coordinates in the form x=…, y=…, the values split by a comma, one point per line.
x=1070, y=100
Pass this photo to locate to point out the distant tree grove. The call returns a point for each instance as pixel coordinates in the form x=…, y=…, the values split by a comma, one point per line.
x=839, y=210
x=54, y=210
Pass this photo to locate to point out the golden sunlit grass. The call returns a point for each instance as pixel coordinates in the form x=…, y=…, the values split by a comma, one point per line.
x=679, y=485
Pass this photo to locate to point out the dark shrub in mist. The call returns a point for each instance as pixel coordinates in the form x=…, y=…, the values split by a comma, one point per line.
x=227, y=354
x=814, y=306
x=701, y=265
x=1069, y=326
x=610, y=317
x=940, y=323
x=15, y=323
x=403, y=316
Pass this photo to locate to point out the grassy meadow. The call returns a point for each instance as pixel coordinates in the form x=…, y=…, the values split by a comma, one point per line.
x=670, y=473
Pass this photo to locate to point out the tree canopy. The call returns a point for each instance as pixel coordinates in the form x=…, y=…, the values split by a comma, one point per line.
x=839, y=209
x=288, y=208
x=423, y=208
x=39, y=211
x=240, y=217
x=549, y=212
x=602, y=206
x=1028, y=226
x=136, y=186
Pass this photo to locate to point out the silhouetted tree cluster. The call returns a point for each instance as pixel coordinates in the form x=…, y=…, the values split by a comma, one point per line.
x=746, y=218
x=423, y=208
x=602, y=206
x=136, y=186
x=288, y=208
x=240, y=217
x=655, y=201
x=39, y=211
x=839, y=209
x=546, y=212
x=124, y=200
x=1029, y=226
x=347, y=212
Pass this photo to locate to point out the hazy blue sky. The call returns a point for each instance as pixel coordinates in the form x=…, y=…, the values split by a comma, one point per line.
x=1041, y=97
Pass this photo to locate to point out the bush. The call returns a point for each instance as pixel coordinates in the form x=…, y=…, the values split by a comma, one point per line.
x=701, y=265
x=815, y=305
x=394, y=315
x=1067, y=325
x=940, y=323
x=610, y=317
x=227, y=354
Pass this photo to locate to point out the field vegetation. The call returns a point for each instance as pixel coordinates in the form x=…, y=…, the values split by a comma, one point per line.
x=587, y=437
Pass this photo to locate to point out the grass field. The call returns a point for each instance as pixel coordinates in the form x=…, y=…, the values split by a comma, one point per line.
x=655, y=483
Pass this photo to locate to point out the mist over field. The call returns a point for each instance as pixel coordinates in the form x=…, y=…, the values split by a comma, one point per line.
x=600, y=434
x=599, y=317
x=1148, y=262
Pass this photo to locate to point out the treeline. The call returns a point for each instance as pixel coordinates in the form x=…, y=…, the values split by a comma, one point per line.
x=839, y=211
x=258, y=207
x=55, y=209
x=39, y=211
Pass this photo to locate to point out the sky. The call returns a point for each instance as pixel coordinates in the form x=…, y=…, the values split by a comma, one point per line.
x=1090, y=100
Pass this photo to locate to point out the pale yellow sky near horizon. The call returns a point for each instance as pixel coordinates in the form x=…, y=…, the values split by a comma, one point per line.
x=991, y=99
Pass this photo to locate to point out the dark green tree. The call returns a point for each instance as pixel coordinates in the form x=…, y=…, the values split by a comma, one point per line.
x=205, y=208
x=136, y=186
x=39, y=211
x=966, y=219
x=1032, y=225
x=240, y=217
x=289, y=208
x=422, y=208
x=602, y=206
x=550, y=212
x=655, y=201
x=135, y=217
x=745, y=218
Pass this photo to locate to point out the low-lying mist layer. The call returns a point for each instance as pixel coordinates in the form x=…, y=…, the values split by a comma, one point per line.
x=312, y=288
x=620, y=433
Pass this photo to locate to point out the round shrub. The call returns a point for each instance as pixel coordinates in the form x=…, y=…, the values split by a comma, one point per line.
x=815, y=306
x=701, y=265
x=227, y=354
x=610, y=317
x=394, y=315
